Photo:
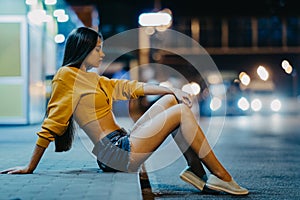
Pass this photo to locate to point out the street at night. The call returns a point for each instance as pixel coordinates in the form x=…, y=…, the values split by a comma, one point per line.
x=261, y=152
x=101, y=66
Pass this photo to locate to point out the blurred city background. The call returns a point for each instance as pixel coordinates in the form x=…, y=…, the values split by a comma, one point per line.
x=249, y=57
x=254, y=44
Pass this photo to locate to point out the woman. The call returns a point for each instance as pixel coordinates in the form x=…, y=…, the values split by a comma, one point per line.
x=87, y=98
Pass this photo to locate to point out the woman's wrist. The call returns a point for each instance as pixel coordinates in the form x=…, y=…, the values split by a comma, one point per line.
x=172, y=90
x=29, y=169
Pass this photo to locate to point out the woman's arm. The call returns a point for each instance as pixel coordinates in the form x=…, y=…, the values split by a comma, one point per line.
x=35, y=159
x=181, y=96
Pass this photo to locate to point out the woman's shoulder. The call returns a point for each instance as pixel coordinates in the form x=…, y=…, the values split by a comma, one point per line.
x=103, y=78
x=66, y=73
x=105, y=81
x=66, y=70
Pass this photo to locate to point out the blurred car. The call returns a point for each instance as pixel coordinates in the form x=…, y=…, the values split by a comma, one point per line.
x=265, y=102
x=263, y=98
x=225, y=99
x=230, y=100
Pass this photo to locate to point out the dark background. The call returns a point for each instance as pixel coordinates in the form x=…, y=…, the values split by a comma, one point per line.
x=118, y=15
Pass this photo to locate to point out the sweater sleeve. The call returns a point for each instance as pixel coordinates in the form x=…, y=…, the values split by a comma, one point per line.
x=60, y=108
x=126, y=89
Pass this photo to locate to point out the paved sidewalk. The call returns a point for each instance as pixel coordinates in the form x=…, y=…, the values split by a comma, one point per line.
x=69, y=175
x=262, y=153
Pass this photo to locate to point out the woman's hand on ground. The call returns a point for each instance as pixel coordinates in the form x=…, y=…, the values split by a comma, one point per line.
x=17, y=170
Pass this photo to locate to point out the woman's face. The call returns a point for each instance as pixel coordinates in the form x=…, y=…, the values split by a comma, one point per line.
x=95, y=57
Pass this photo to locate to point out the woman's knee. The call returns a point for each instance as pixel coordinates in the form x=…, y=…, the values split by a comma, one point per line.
x=184, y=109
x=169, y=100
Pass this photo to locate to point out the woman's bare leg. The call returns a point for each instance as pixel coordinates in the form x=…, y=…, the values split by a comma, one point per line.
x=147, y=136
x=191, y=157
x=159, y=106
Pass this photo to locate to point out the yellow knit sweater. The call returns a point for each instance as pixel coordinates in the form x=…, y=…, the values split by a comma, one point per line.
x=86, y=95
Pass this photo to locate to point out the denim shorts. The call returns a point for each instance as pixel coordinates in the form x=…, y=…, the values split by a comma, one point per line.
x=113, y=151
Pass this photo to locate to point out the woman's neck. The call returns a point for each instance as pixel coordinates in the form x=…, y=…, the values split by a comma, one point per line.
x=85, y=67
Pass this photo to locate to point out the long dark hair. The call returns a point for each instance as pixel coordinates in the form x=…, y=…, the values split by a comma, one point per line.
x=80, y=42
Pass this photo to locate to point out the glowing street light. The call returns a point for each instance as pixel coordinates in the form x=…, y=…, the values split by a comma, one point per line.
x=256, y=105
x=59, y=12
x=262, y=73
x=50, y=2
x=290, y=70
x=275, y=105
x=38, y=17
x=244, y=78
x=286, y=66
x=215, y=103
x=155, y=19
x=31, y=2
x=243, y=104
x=192, y=88
x=151, y=22
x=59, y=38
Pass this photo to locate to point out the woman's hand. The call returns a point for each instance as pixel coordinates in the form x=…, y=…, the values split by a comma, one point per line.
x=17, y=170
x=35, y=159
x=183, y=97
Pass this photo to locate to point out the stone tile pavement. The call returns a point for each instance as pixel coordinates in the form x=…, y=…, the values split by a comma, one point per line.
x=69, y=175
